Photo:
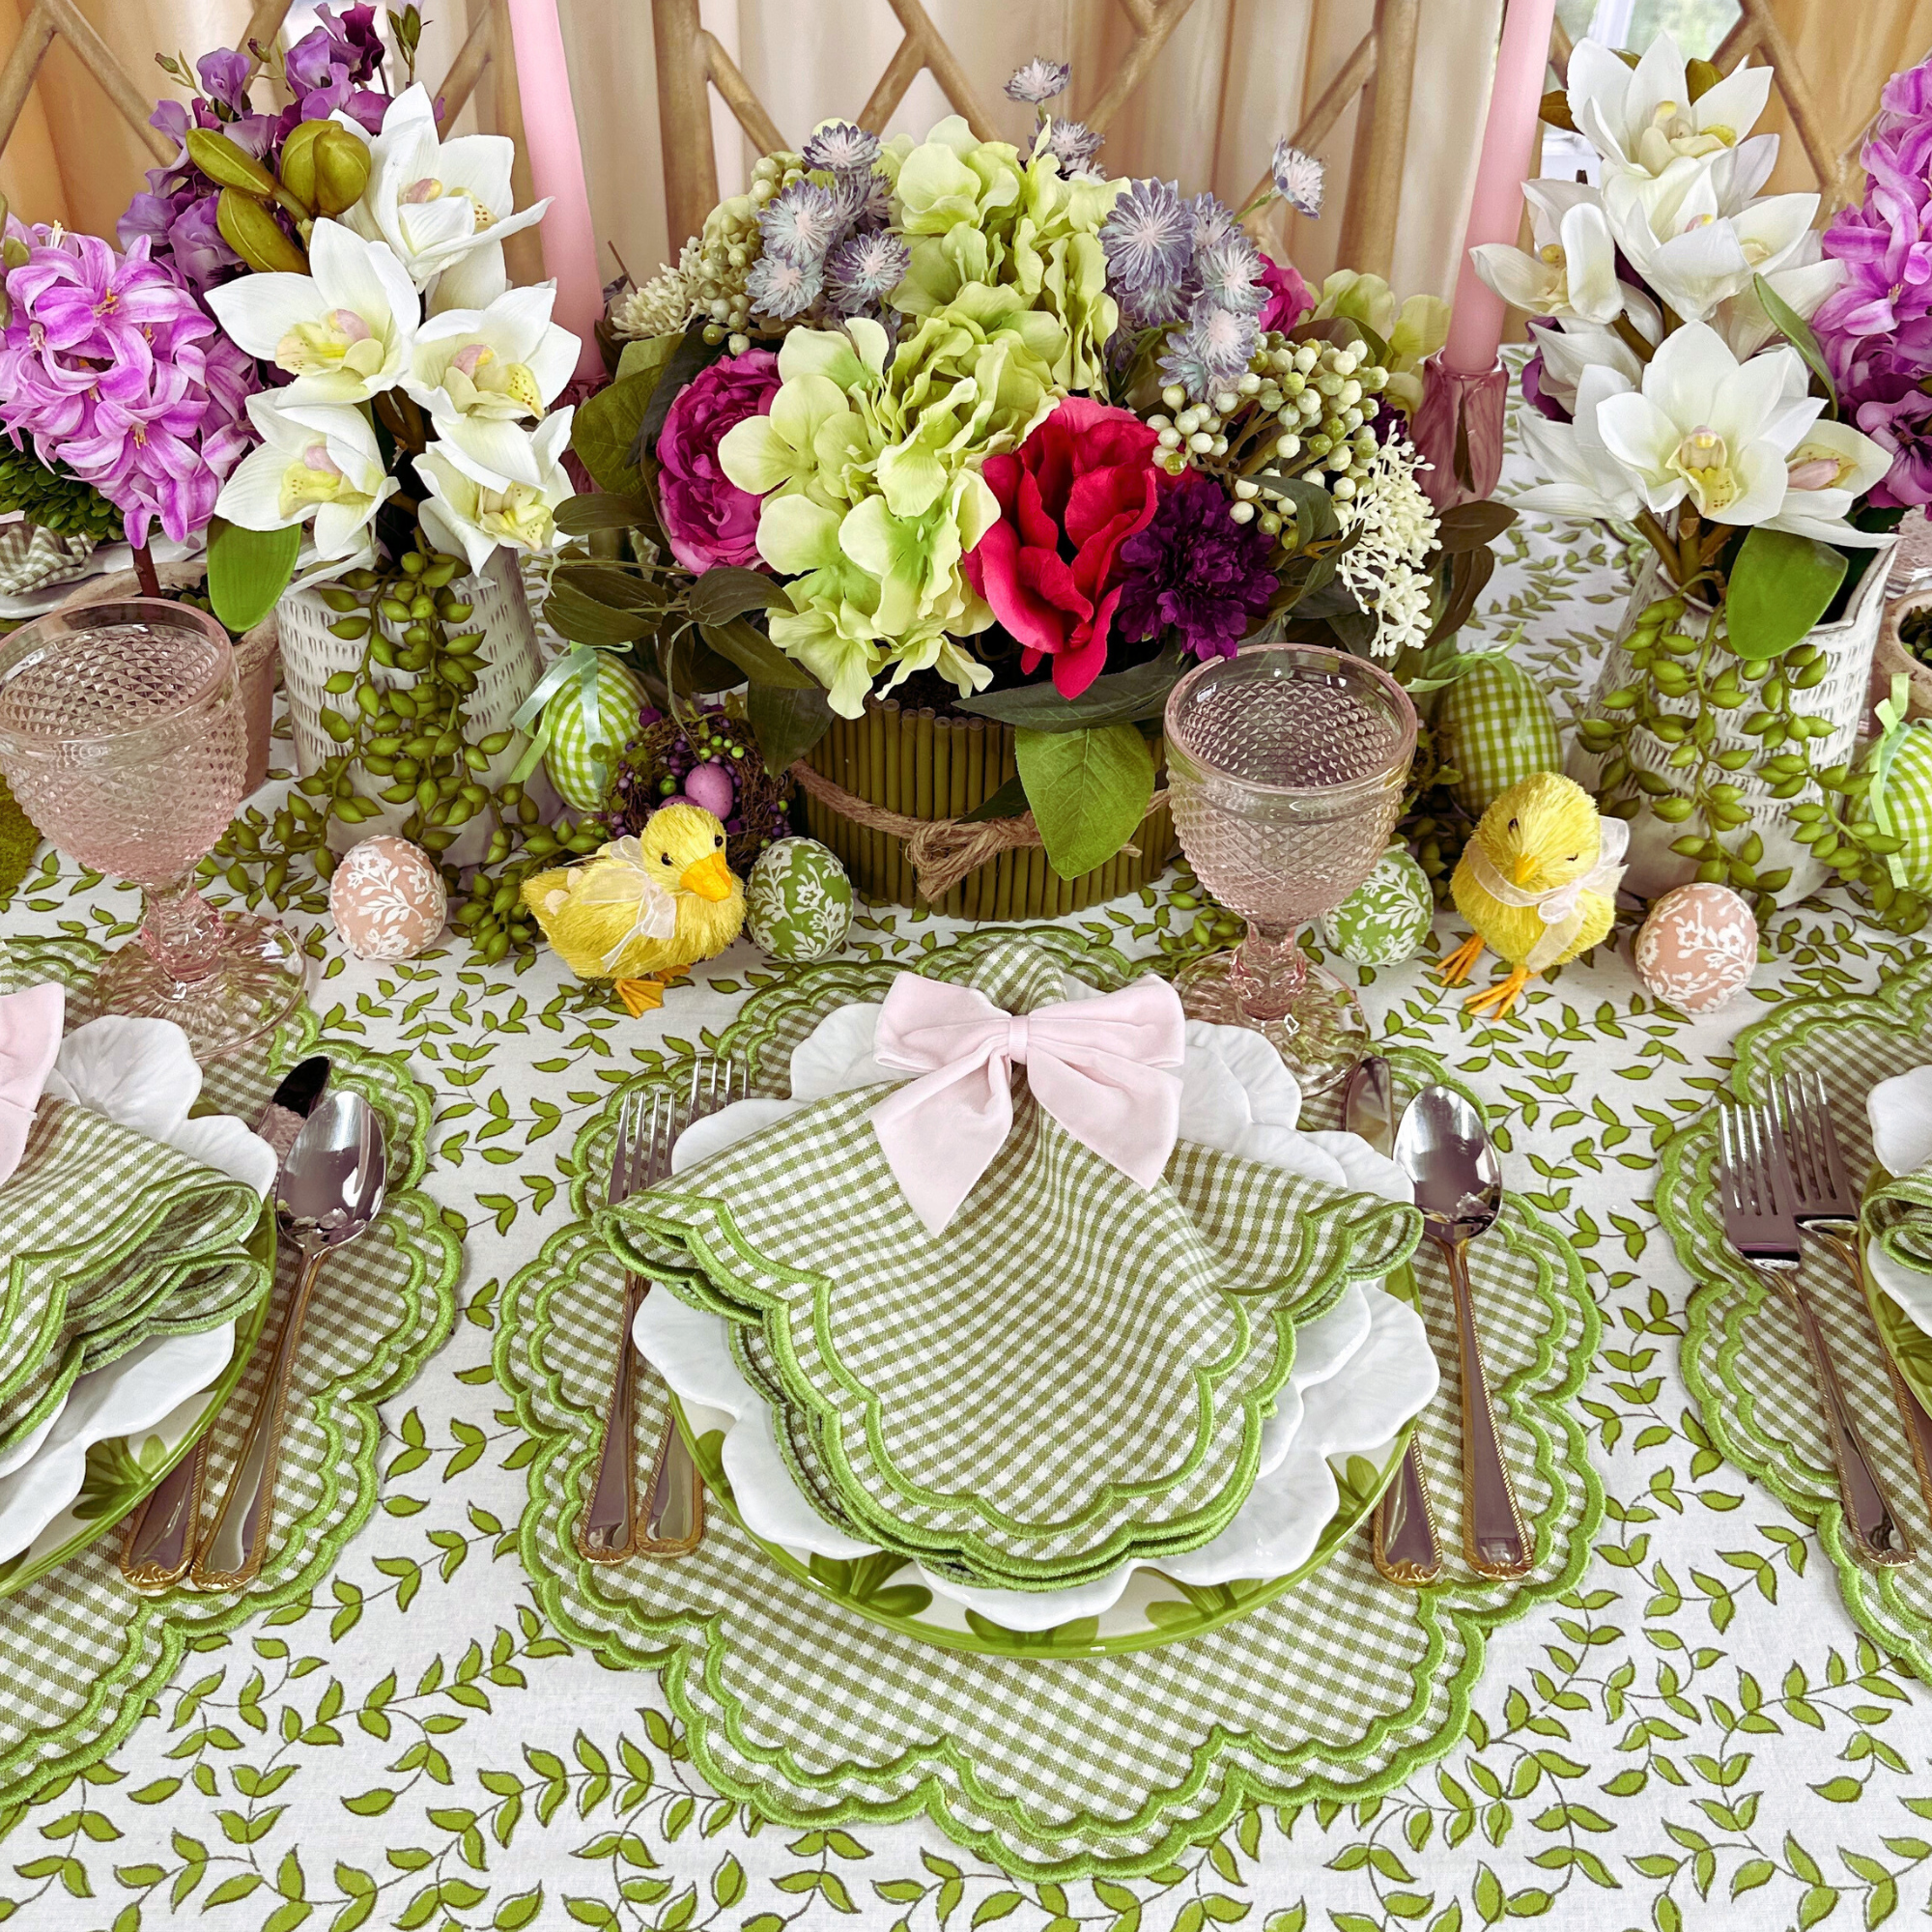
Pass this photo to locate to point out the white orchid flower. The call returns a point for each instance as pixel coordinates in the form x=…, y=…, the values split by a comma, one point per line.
x=1574, y=268
x=1708, y=430
x=1643, y=118
x=1672, y=231
x=1801, y=285
x=483, y=374
x=444, y=207
x=1569, y=348
x=1827, y=472
x=319, y=462
x=476, y=509
x=1580, y=477
x=343, y=330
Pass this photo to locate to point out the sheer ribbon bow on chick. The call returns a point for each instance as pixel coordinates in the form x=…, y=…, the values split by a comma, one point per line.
x=642, y=911
x=1538, y=880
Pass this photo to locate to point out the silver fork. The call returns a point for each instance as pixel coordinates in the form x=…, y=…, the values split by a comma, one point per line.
x=648, y=1125
x=1825, y=1207
x=1757, y=1191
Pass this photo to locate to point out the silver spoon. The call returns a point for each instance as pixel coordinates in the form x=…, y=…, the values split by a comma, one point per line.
x=1446, y=1152
x=332, y=1189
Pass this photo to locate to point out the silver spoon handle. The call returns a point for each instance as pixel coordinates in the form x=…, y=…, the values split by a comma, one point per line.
x=1493, y=1539
x=231, y=1554
x=159, y=1542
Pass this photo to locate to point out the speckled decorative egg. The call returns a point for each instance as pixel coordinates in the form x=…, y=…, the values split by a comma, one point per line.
x=1697, y=948
x=1387, y=917
x=573, y=771
x=387, y=898
x=711, y=785
x=798, y=901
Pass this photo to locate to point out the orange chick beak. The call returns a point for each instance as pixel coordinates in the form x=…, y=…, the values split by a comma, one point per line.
x=710, y=878
x=1524, y=869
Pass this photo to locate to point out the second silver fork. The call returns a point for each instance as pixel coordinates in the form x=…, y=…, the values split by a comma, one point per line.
x=648, y=1126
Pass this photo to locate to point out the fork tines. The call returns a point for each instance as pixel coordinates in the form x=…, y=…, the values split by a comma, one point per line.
x=651, y=1119
x=1802, y=1111
x=1755, y=1179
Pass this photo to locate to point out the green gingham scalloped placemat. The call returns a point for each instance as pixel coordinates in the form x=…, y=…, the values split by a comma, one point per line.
x=1742, y=1354
x=81, y=1653
x=1341, y=1689
x=1112, y=1329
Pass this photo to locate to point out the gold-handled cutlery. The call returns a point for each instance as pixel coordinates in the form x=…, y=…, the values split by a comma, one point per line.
x=673, y=1524
x=1444, y=1148
x=1756, y=1196
x=1405, y=1546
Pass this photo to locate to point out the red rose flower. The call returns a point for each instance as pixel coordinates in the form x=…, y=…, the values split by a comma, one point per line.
x=1074, y=492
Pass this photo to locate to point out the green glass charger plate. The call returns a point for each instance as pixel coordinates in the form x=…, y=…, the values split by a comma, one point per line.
x=81, y=1654
x=1742, y=1356
x=1338, y=1688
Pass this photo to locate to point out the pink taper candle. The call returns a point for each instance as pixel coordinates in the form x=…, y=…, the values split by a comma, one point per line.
x=1495, y=210
x=557, y=171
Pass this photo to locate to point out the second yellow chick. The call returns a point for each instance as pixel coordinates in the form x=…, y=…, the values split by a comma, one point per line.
x=642, y=910
x=1538, y=881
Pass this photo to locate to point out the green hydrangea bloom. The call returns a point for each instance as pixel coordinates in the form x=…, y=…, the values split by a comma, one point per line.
x=1413, y=331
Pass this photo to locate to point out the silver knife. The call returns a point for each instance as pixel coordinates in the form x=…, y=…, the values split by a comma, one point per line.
x=1405, y=1546
x=160, y=1544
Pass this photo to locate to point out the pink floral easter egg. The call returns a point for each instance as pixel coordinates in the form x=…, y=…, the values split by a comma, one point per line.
x=1697, y=948
x=710, y=785
x=387, y=898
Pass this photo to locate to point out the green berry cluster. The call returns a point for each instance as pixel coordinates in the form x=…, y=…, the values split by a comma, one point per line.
x=52, y=496
x=1686, y=678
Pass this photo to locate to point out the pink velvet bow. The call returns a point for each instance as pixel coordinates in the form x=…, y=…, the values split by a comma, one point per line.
x=1106, y=1069
x=30, y=1036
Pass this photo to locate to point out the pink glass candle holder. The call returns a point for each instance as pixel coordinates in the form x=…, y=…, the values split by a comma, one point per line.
x=123, y=737
x=1285, y=769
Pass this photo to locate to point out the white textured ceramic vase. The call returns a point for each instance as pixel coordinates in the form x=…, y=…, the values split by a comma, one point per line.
x=1842, y=696
x=508, y=666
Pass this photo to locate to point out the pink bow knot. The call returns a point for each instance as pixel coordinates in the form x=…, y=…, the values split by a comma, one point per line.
x=1107, y=1069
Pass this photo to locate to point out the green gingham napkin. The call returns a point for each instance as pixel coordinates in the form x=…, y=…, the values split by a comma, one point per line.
x=1897, y=1212
x=1897, y=1215
x=1076, y=1373
x=108, y=1237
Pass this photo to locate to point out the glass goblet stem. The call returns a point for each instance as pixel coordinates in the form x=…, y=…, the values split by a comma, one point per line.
x=1269, y=971
x=181, y=932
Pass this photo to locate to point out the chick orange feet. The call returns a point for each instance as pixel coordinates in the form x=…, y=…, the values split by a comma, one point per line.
x=1455, y=969
x=647, y=995
x=1502, y=996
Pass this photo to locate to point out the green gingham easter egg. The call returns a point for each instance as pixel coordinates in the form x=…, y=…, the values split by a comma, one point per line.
x=1907, y=804
x=798, y=901
x=620, y=696
x=1494, y=727
x=1387, y=917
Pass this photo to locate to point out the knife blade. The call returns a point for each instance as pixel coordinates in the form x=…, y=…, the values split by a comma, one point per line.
x=159, y=1541
x=1406, y=1547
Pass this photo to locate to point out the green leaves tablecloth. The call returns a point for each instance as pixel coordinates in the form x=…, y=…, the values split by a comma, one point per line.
x=1697, y=1731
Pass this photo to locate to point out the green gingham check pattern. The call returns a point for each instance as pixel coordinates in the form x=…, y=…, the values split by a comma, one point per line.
x=1907, y=804
x=1743, y=1353
x=1898, y=1217
x=32, y=558
x=109, y=1238
x=1338, y=1689
x=81, y=1653
x=1494, y=726
x=1132, y=1340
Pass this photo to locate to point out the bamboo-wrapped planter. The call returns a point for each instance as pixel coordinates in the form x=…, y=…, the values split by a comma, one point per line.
x=931, y=767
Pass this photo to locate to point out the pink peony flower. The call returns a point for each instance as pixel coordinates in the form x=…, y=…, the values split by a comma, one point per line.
x=1290, y=297
x=111, y=365
x=707, y=519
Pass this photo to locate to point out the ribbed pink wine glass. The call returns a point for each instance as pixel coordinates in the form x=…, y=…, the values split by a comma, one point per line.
x=122, y=736
x=1286, y=767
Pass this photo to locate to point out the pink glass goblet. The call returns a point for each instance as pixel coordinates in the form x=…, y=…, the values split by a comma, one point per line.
x=123, y=737
x=1286, y=766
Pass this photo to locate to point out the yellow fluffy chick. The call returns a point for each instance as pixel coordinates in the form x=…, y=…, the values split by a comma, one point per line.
x=1538, y=881
x=641, y=910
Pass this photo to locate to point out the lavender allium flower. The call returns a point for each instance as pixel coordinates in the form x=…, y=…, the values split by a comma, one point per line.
x=800, y=224
x=1298, y=178
x=1230, y=272
x=1072, y=144
x=1149, y=238
x=1213, y=351
x=1039, y=80
x=1213, y=220
x=1196, y=571
x=864, y=270
x=782, y=288
x=842, y=147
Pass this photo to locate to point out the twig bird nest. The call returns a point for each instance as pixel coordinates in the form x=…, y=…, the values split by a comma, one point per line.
x=696, y=758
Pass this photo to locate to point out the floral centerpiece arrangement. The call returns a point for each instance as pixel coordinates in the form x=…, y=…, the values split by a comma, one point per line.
x=975, y=423
x=1678, y=385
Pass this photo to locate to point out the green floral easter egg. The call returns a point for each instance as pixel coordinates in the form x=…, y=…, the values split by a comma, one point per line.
x=1907, y=804
x=798, y=901
x=1387, y=917
x=1494, y=726
x=573, y=770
